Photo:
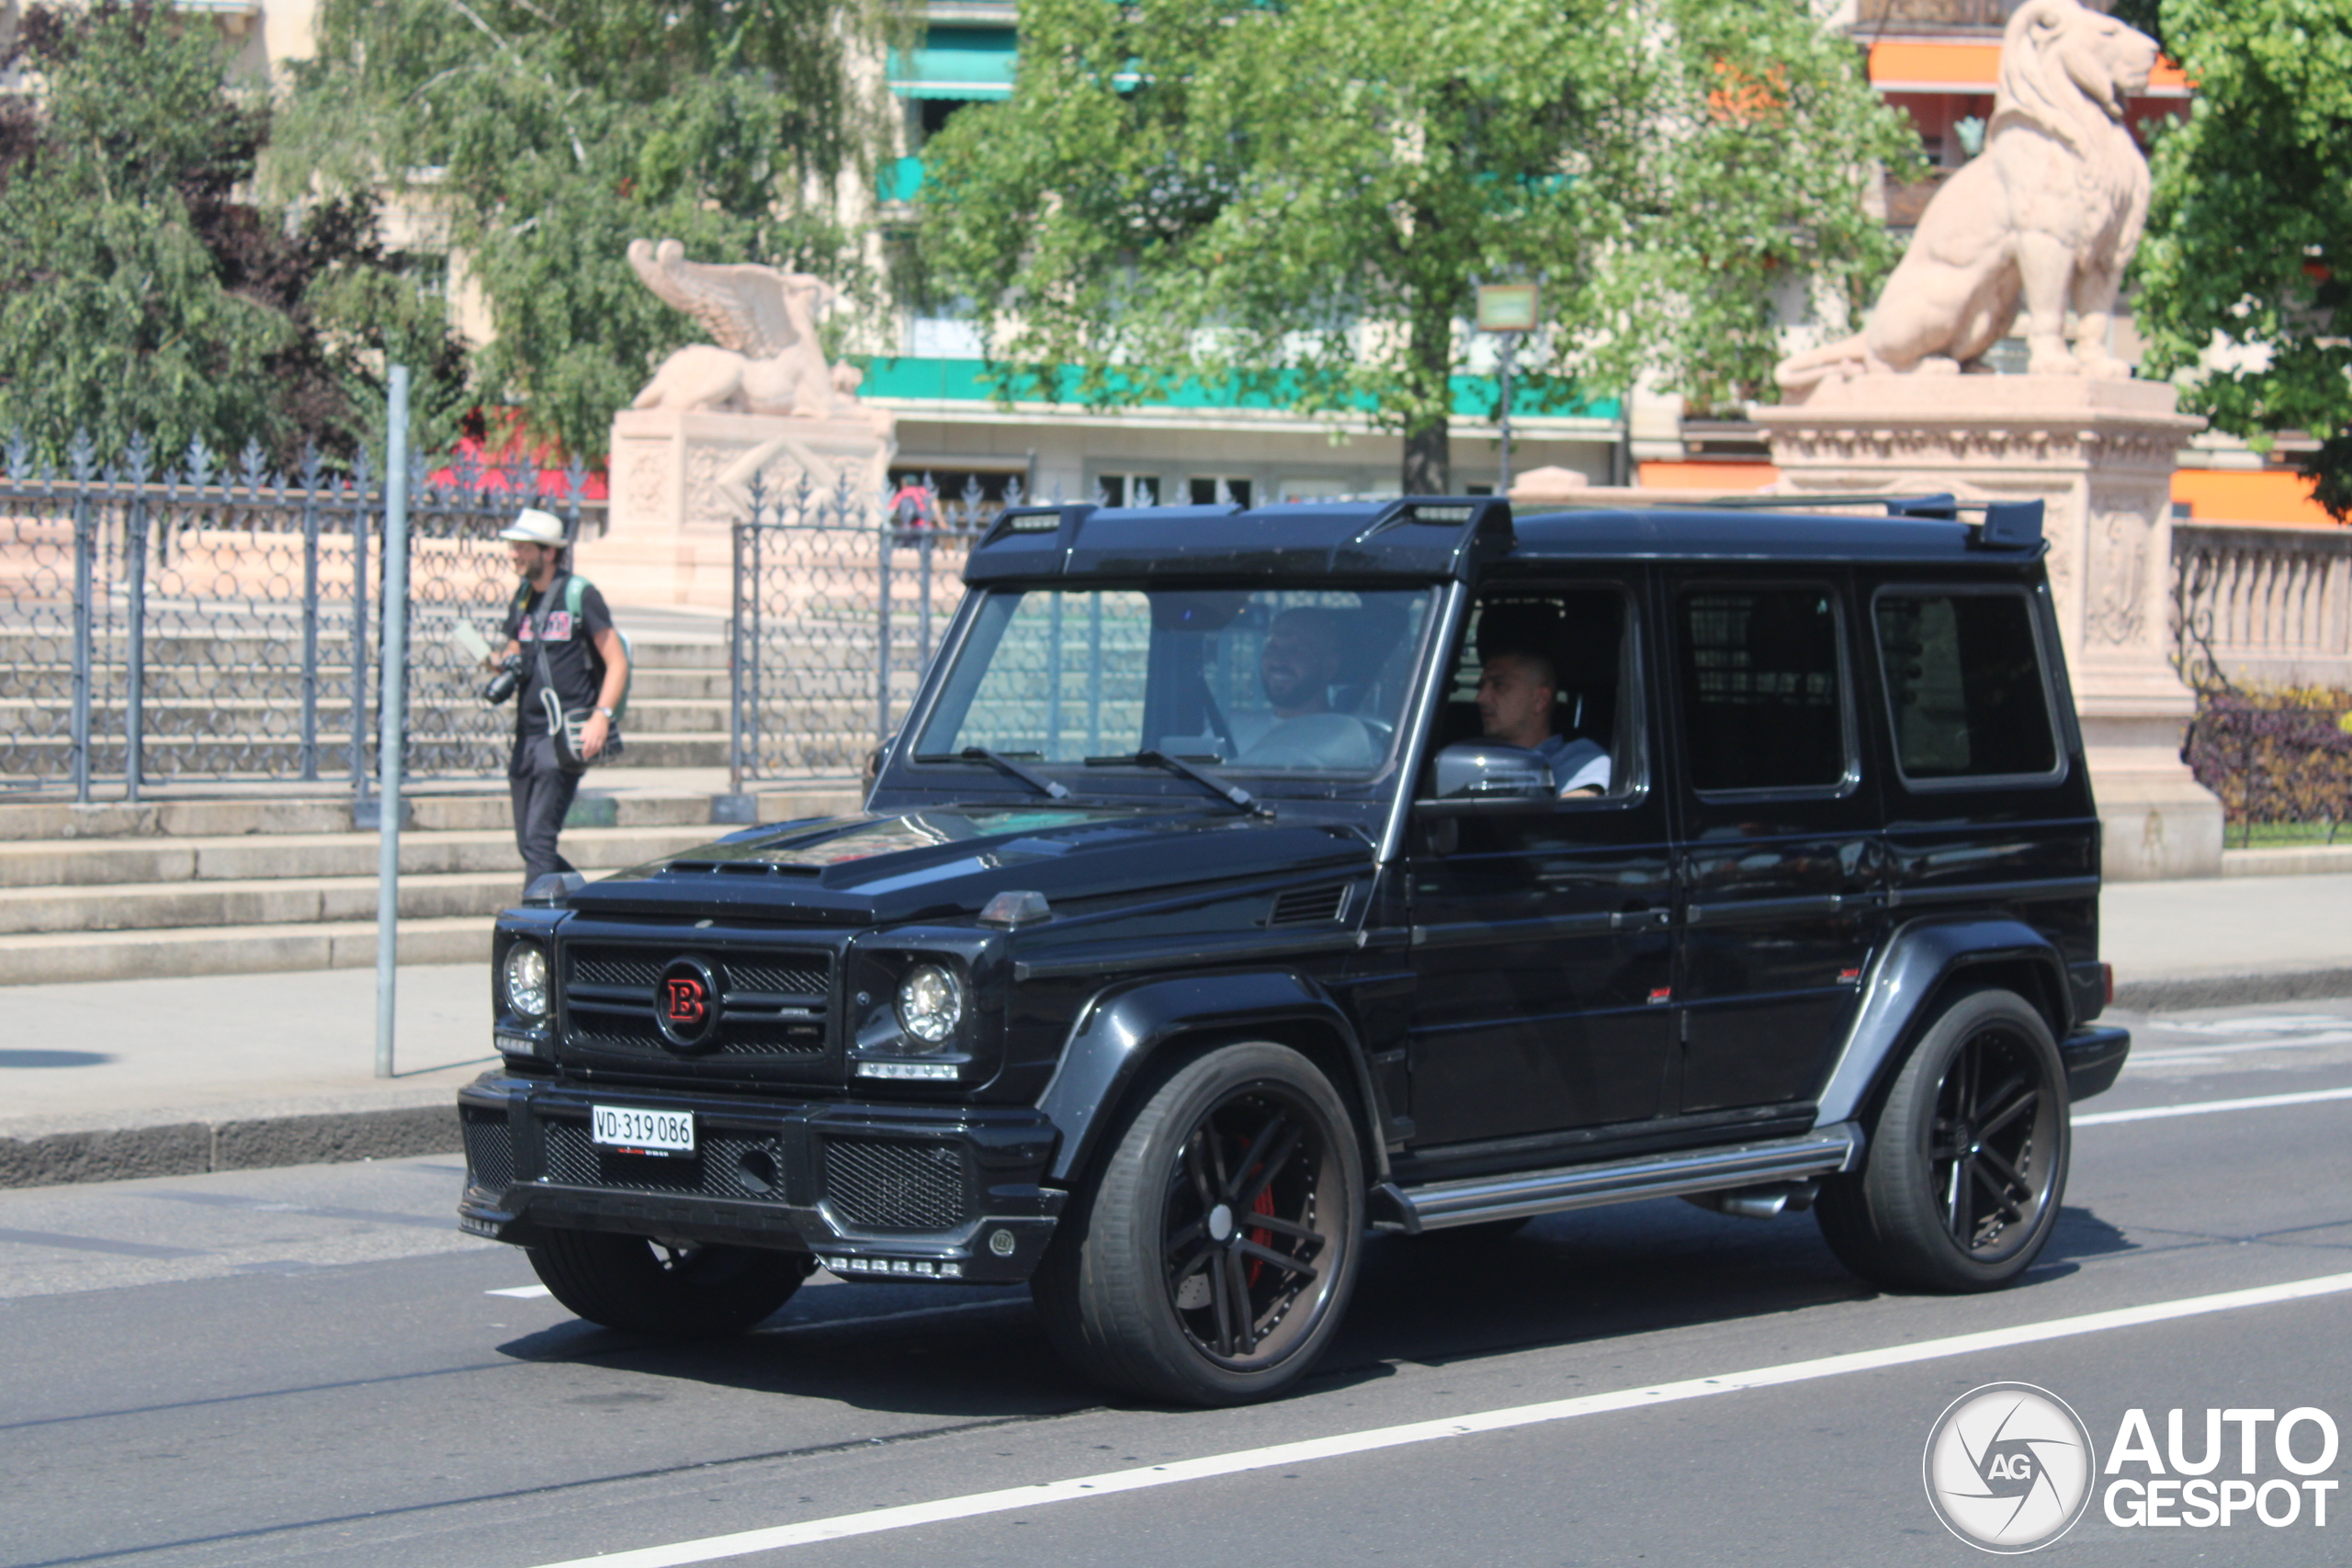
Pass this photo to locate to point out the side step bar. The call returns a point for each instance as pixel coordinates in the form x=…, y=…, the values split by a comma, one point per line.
x=1672, y=1175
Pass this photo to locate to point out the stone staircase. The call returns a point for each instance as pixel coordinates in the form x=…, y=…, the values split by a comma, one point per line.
x=239, y=878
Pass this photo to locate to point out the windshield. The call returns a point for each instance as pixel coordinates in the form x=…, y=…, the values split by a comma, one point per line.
x=1276, y=681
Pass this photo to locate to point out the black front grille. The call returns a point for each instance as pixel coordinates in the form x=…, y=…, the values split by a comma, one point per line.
x=490, y=1146
x=890, y=1184
x=611, y=991
x=789, y=980
x=718, y=1168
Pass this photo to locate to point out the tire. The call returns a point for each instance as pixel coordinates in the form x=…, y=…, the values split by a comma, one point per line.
x=1211, y=1261
x=1966, y=1166
x=679, y=1291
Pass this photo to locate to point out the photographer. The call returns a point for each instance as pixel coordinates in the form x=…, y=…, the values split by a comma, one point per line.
x=587, y=666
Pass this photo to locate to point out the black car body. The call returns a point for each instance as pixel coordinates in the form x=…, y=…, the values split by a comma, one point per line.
x=1126, y=983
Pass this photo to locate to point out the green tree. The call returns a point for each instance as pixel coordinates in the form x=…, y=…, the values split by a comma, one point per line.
x=140, y=297
x=2249, y=245
x=1299, y=197
x=549, y=133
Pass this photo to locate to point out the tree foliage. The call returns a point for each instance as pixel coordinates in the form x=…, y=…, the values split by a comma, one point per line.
x=2249, y=246
x=138, y=295
x=549, y=133
x=1301, y=196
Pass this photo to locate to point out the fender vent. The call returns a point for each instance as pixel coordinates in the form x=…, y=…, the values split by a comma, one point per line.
x=1309, y=906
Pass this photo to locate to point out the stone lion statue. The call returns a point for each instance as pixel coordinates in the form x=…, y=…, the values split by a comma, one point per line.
x=2049, y=213
x=767, y=359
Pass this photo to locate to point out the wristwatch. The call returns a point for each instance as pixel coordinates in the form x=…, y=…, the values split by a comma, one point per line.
x=607, y=712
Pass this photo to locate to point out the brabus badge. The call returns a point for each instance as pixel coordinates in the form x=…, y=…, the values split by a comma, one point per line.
x=685, y=1004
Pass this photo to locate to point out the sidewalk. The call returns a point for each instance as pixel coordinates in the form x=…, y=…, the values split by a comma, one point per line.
x=165, y=1076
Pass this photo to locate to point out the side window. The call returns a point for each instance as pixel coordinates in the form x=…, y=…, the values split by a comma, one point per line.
x=1564, y=681
x=1965, y=683
x=1763, y=688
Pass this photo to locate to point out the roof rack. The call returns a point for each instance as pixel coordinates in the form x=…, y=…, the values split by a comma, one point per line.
x=2003, y=525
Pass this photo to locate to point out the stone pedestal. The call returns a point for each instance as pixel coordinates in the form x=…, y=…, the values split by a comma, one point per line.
x=680, y=480
x=2099, y=455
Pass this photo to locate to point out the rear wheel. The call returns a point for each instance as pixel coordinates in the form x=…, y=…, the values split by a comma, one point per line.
x=681, y=1290
x=1212, y=1260
x=1960, y=1185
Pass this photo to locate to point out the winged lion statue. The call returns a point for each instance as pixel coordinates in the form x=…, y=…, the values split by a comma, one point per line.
x=767, y=359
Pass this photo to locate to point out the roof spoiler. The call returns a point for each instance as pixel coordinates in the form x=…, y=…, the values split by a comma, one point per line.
x=2008, y=525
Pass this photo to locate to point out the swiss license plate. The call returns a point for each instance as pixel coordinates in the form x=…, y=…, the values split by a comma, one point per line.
x=642, y=1132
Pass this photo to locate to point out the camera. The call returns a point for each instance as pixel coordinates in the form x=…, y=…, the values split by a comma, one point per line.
x=502, y=685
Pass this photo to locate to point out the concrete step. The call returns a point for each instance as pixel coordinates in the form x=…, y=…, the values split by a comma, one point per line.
x=271, y=756
x=262, y=719
x=269, y=638
x=271, y=901
x=235, y=950
x=611, y=799
x=106, y=862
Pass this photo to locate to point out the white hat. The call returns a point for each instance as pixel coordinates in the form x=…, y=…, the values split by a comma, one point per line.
x=535, y=527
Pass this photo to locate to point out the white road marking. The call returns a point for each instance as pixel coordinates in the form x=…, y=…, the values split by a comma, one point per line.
x=2206, y=1107
x=522, y=1293
x=712, y=1549
x=2197, y=1051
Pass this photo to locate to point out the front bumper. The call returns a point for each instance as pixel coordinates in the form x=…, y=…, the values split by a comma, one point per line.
x=946, y=1193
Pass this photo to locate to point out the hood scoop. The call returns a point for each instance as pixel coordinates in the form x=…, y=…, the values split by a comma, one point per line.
x=1309, y=906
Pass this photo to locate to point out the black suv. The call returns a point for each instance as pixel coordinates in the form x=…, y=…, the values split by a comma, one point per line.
x=1246, y=881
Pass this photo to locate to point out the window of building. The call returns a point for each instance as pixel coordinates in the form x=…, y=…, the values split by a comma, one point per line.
x=1763, y=688
x=1215, y=489
x=1964, y=684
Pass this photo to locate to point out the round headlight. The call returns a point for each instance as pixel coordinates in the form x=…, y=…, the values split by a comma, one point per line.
x=526, y=980
x=931, y=1003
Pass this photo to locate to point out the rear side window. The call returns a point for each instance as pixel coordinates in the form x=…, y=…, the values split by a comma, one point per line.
x=1763, y=688
x=1965, y=683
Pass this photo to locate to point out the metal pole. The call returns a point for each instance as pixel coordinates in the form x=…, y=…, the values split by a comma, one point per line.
x=882, y=643
x=134, y=712
x=392, y=704
x=310, y=629
x=357, y=511
x=1510, y=344
x=86, y=547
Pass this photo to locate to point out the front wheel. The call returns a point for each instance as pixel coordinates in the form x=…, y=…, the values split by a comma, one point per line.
x=1211, y=1261
x=679, y=1290
x=1967, y=1159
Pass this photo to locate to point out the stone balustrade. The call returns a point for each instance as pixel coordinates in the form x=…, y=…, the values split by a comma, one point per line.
x=2264, y=606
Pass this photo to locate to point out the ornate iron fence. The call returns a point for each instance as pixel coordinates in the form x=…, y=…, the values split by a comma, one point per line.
x=838, y=610
x=208, y=622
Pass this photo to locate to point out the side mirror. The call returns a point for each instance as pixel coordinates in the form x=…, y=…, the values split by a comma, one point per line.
x=1478, y=778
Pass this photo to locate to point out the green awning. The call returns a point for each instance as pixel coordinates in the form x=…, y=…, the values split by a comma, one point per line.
x=956, y=63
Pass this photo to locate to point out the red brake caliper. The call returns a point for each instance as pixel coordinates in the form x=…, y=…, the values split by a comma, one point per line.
x=1262, y=1205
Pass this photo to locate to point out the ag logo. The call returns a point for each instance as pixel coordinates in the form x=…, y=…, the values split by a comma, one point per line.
x=685, y=1004
x=2010, y=1467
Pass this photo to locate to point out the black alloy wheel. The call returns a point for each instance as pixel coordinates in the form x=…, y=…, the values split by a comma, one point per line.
x=1967, y=1162
x=1211, y=1262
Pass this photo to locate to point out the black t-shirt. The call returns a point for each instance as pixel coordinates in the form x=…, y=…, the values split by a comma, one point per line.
x=572, y=660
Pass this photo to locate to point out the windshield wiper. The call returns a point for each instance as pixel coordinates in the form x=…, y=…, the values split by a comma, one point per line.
x=1037, y=781
x=1239, y=798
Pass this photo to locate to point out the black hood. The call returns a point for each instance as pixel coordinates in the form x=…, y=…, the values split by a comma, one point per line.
x=946, y=862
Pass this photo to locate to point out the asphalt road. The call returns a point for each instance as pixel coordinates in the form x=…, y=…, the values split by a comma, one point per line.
x=310, y=1365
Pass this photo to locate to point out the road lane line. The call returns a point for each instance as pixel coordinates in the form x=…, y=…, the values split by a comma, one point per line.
x=2206, y=1107
x=522, y=1293
x=98, y=1244
x=712, y=1549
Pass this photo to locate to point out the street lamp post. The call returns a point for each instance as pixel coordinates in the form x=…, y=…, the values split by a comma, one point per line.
x=1507, y=311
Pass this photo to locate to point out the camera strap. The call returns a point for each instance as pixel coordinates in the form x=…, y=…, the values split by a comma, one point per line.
x=563, y=729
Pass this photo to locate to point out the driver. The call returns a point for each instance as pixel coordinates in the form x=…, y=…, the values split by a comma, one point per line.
x=1300, y=661
x=1296, y=669
x=1516, y=690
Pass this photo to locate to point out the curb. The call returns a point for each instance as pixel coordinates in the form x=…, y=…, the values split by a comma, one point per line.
x=2240, y=990
x=251, y=1143
x=195, y=1148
